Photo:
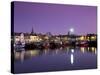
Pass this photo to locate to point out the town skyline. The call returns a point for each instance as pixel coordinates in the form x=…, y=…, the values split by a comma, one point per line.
x=67, y=33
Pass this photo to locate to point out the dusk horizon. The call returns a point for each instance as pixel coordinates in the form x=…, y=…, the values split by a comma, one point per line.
x=54, y=18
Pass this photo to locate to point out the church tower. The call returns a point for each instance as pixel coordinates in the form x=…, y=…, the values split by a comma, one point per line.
x=32, y=32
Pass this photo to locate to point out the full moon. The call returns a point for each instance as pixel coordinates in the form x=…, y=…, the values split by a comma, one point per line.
x=72, y=30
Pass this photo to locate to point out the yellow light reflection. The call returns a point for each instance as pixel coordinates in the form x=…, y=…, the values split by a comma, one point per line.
x=82, y=49
x=22, y=56
x=34, y=52
x=17, y=55
x=88, y=48
x=94, y=50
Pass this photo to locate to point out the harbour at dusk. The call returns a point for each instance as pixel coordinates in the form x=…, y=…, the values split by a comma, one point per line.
x=54, y=37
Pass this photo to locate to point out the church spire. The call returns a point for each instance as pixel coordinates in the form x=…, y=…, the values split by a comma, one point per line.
x=32, y=32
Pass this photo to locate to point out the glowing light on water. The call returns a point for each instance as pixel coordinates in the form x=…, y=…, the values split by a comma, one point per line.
x=72, y=50
x=82, y=49
x=72, y=58
x=94, y=50
x=88, y=48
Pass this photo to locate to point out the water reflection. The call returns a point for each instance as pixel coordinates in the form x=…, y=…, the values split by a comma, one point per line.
x=55, y=59
x=82, y=49
x=92, y=49
x=20, y=55
x=72, y=56
x=26, y=54
x=72, y=50
x=72, y=59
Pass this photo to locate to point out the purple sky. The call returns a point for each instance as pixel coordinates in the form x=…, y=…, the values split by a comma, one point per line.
x=57, y=19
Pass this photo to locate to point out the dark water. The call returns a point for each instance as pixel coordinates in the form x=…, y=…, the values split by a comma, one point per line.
x=54, y=60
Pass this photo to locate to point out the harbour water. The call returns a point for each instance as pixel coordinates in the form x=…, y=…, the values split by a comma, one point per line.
x=69, y=58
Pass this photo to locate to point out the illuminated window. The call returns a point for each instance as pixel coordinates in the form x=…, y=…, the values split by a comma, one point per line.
x=93, y=38
x=82, y=38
